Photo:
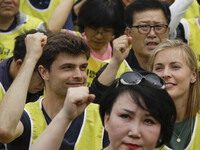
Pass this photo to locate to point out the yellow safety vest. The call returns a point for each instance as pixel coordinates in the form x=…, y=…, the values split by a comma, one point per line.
x=194, y=143
x=193, y=11
x=92, y=68
x=43, y=14
x=91, y=133
x=194, y=39
x=7, y=41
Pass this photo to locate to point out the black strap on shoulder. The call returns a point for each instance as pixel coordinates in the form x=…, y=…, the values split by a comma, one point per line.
x=181, y=33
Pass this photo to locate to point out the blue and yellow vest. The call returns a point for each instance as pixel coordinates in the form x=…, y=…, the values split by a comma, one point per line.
x=194, y=143
x=43, y=14
x=7, y=39
x=91, y=133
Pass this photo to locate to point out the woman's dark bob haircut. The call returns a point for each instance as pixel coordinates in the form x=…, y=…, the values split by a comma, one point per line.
x=102, y=13
x=156, y=101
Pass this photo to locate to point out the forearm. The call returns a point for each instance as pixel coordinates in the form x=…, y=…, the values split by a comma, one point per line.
x=177, y=9
x=60, y=15
x=14, y=100
x=109, y=74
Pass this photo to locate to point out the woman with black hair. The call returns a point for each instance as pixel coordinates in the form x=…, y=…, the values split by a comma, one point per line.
x=137, y=112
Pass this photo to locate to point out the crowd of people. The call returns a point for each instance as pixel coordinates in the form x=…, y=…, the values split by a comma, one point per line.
x=99, y=74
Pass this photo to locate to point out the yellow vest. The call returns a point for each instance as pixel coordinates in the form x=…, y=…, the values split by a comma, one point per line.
x=7, y=39
x=92, y=68
x=91, y=133
x=124, y=67
x=193, y=11
x=43, y=14
x=194, y=39
x=194, y=142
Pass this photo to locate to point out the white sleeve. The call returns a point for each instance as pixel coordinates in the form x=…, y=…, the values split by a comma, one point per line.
x=177, y=9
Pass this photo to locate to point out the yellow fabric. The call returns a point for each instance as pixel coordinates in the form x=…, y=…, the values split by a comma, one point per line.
x=91, y=134
x=124, y=67
x=194, y=142
x=193, y=11
x=2, y=92
x=194, y=39
x=92, y=68
x=42, y=14
x=37, y=117
x=7, y=41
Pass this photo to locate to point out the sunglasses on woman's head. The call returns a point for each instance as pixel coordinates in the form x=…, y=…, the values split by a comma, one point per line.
x=135, y=78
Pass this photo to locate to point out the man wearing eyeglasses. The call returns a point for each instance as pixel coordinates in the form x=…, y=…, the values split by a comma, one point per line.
x=146, y=26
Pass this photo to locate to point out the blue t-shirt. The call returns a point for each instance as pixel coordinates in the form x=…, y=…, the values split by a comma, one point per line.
x=5, y=77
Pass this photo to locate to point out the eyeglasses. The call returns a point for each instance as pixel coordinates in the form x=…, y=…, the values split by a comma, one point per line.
x=145, y=29
x=135, y=78
x=106, y=31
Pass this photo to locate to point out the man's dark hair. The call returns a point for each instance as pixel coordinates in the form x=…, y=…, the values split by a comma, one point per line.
x=144, y=5
x=60, y=42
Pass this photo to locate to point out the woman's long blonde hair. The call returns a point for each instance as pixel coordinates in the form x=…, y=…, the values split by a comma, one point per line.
x=193, y=104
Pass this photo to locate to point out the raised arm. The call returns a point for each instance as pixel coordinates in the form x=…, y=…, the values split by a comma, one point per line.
x=177, y=9
x=121, y=48
x=60, y=15
x=74, y=105
x=78, y=6
x=12, y=105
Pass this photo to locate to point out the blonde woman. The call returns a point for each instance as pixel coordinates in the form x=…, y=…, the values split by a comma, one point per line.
x=176, y=63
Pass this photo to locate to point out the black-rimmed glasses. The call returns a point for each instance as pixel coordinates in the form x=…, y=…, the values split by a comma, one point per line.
x=145, y=29
x=135, y=78
x=105, y=33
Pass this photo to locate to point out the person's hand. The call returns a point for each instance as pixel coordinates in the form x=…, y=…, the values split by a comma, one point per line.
x=76, y=101
x=121, y=48
x=34, y=45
